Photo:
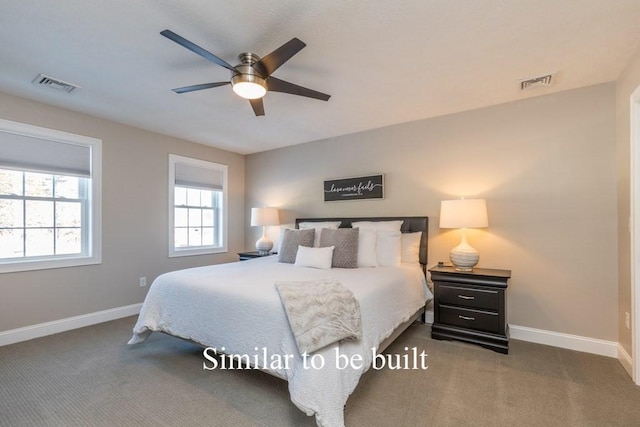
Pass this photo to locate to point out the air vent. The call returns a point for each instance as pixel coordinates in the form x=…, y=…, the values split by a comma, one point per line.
x=533, y=82
x=54, y=83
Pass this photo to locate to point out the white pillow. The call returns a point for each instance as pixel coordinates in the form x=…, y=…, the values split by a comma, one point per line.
x=378, y=225
x=389, y=248
x=333, y=225
x=367, y=256
x=314, y=257
x=410, y=252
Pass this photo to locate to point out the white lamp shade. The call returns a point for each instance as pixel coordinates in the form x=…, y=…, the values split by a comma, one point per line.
x=264, y=216
x=463, y=213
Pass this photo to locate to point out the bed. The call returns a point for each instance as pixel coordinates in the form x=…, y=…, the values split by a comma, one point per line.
x=235, y=309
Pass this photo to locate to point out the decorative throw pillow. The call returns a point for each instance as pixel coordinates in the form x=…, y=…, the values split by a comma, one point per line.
x=411, y=247
x=291, y=239
x=388, y=248
x=345, y=242
x=318, y=226
x=277, y=244
x=314, y=257
x=367, y=256
x=378, y=225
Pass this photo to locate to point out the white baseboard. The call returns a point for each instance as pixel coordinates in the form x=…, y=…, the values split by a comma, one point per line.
x=625, y=360
x=48, y=328
x=568, y=341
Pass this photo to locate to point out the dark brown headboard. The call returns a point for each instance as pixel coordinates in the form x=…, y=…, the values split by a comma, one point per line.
x=411, y=224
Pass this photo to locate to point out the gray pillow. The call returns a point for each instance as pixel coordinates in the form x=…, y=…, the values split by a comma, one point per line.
x=291, y=239
x=345, y=242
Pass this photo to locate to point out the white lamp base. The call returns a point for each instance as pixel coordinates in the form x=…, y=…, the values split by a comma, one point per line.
x=264, y=244
x=463, y=256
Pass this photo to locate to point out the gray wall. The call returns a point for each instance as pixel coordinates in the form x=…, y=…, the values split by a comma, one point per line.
x=628, y=81
x=134, y=220
x=546, y=165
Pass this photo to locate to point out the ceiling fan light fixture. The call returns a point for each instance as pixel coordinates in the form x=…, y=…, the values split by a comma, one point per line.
x=249, y=86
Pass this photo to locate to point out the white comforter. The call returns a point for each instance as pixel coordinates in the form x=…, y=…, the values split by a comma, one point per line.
x=236, y=306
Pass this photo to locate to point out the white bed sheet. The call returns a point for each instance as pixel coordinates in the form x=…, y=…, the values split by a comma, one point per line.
x=237, y=306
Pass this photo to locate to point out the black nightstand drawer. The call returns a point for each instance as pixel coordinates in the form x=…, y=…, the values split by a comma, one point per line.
x=468, y=297
x=469, y=318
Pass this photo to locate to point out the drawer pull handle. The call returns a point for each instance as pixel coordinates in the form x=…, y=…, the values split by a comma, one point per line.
x=465, y=317
x=465, y=297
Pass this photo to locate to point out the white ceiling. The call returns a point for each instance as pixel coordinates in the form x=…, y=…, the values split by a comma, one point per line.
x=383, y=62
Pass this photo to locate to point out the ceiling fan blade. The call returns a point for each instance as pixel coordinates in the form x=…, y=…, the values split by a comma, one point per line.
x=277, y=85
x=275, y=59
x=195, y=49
x=199, y=87
x=258, y=106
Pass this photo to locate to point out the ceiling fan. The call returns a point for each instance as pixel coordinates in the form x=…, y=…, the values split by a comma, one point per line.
x=251, y=79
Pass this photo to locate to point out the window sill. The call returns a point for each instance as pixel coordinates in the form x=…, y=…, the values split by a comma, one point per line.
x=22, y=265
x=196, y=251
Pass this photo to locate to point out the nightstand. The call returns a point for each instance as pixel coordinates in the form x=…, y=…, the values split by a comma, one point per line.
x=471, y=306
x=251, y=255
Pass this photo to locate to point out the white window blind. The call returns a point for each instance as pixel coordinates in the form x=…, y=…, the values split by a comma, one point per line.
x=28, y=153
x=188, y=175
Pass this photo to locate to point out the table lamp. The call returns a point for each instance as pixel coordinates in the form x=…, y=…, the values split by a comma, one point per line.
x=264, y=217
x=463, y=214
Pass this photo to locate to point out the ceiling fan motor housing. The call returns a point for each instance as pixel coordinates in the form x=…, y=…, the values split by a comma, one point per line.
x=245, y=73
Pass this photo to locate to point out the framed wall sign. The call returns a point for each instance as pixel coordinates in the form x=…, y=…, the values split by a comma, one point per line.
x=363, y=187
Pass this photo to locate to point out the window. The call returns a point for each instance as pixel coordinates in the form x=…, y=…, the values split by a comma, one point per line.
x=49, y=198
x=197, y=207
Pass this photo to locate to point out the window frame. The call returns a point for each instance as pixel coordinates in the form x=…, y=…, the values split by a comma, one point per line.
x=93, y=246
x=174, y=252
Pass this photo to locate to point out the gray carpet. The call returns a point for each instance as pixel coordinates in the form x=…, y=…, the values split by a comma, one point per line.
x=90, y=377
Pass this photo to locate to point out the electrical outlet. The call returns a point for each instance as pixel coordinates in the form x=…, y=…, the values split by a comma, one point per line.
x=143, y=282
x=626, y=320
